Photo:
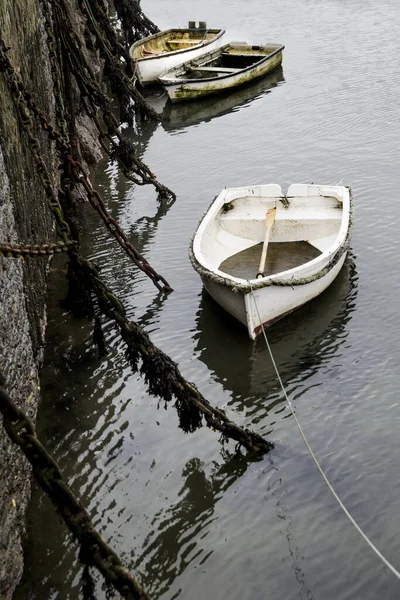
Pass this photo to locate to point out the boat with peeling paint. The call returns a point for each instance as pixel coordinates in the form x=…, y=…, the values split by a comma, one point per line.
x=225, y=68
x=306, y=246
x=186, y=114
x=157, y=53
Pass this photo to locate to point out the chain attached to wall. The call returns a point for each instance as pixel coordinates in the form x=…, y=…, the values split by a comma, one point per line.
x=24, y=104
x=47, y=249
x=161, y=373
x=112, y=225
x=95, y=552
x=93, y=98
x=110, y=51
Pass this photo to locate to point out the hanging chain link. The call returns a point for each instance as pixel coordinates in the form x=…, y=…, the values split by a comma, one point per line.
x=47, y=249
x=94, y=549
x=162, y=374
x=112, y=225
x=25, y=103
x=21, y=101
x=120, y=149
x=110, y=50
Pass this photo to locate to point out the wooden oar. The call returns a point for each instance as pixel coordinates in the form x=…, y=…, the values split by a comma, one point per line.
x=269, y=221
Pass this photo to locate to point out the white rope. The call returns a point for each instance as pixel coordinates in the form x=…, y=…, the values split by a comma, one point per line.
x=374, y=548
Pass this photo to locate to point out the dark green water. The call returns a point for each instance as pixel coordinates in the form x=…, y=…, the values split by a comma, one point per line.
x=189, y=518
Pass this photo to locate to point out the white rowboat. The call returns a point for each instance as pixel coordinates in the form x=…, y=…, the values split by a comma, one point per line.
x=308, y=243
x=157, y=53
x=225, y=68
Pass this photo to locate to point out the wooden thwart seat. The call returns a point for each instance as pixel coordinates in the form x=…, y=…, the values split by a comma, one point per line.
x=183, y=41
x=215, y=69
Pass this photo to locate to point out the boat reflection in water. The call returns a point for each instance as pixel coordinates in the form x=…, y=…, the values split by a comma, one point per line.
x=300, y=343
x=185, y=114
x=176, y=116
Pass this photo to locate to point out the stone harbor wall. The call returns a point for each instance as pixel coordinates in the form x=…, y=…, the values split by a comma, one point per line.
x=24, y=218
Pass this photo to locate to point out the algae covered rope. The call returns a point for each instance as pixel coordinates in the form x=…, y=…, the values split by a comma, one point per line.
x=135, y=24
x=120, y=83
x=161, y=373
x=122, y=150
x=95, y=552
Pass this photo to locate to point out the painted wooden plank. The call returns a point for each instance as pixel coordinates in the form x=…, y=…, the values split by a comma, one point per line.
x=215, y=69
x=183, y=41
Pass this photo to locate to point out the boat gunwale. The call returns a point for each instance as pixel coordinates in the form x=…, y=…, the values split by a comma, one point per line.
x=177, y=82
x=247, y=285
x=218, y=35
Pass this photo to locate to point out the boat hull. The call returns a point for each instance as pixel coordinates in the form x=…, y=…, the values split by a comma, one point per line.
x=309, y=243
x=267, y=305
x=147, y=69
x=190, y=89
x=264, y=306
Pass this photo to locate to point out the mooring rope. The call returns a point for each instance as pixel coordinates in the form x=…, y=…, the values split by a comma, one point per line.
x=342, y=506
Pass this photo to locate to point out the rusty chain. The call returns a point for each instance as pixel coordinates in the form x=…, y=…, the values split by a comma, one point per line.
x=110, y=48
x=93, y=196
x=17, y=250
x=112, y=225
x=162, y=374
x=53, y=46
x=122, y=150
x=94, y=549
x=20, y=95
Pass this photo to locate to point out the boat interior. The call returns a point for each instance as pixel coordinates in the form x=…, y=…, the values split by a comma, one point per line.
x=303, y=228
x=231, y=58
x=172, y=40
x=281, y=256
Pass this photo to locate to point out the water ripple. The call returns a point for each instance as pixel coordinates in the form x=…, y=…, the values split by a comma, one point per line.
x=190, y=519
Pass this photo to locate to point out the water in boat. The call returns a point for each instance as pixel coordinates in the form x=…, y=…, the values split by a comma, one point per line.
x=281, y=256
